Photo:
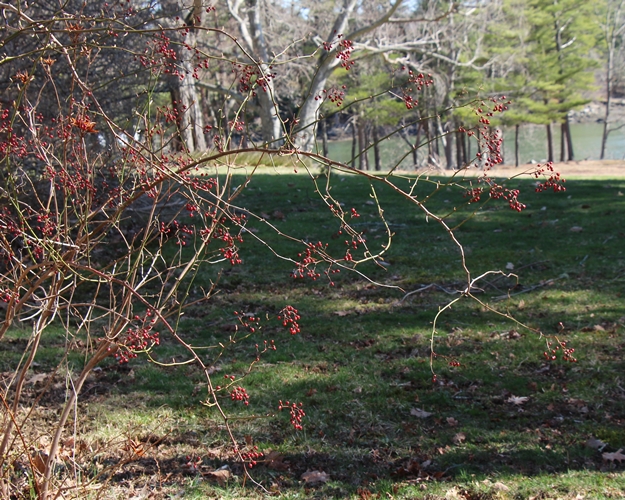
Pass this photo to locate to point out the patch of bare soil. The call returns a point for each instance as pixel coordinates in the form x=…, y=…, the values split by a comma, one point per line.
x=587, y=169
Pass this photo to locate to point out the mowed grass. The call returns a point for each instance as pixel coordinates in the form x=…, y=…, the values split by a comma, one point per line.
x=499, y=422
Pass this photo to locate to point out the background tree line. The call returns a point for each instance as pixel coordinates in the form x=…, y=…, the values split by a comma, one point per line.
x=300, y=69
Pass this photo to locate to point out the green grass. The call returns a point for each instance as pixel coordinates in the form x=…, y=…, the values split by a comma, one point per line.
x=361, y=365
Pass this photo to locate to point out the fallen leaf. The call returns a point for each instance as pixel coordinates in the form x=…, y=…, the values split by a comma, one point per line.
x=517, y=400
x=500, y=487
x=314, y=476
x=598, y=328
x=35, y=379
x=417, y=412
x=341, y=313
x=617, y=455
x=220, y=475
x=576, y=229
x=452, y=421
x=275, y=460
x=38, y=460
x=459, y=438
x=509, y=266
x=595, y=444
x=513, y=334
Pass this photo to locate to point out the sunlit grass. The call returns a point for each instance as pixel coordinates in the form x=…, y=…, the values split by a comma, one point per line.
x=362, y=364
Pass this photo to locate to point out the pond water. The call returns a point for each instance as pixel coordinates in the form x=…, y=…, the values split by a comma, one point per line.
x=532, y=146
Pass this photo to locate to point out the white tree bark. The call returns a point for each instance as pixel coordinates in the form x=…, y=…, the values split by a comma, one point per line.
x=184, y=91
x=254, y=39
x=308, y=116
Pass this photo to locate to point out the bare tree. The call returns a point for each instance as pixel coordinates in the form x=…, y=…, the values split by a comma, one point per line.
x=613, y=31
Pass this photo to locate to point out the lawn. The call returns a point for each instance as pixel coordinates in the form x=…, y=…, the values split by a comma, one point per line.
x=483, y=415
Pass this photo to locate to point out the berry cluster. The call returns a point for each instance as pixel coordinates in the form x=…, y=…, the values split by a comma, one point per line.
x=251, y=457
x=249, y=321
x=139, y=339
x=296, y=411
x=5, y=296
x=474, y=194
x=306, y=267
x=418, y=82
x=250, y=76
x=240, y=394
x=290, y=317
x=552, y=351
x=344, y=49
x=176, y=230
x=334, y=95
x=554, y=182
x=498, y=191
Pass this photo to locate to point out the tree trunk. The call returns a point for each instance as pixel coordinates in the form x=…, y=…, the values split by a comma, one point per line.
x=252, y=33
x=186, y=100
x=613, y=30
x=562, y=142
x=362, y=147
x=549, y=143
x=463, y=144
x=516, y=144
x=569, y=139
x=447, y=139
x=459, y=161
x=415, y=149
x=309, y=112
x=376, y=148
x=354, y=140
x=428, y=136
x=324, y=137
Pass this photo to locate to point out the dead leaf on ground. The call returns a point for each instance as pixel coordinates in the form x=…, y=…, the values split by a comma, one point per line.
x=595, y=444
x=459, y=438
x=500, y=487
x=315, y=476
x=341, y=313
x=219, y=475
x=513, y=334
x=517, y=400
x=576, y=229
x=452, y=421
x=38, y=460
x=275, y=460
x=616, y=456
x=417, y=412
x=37, y=378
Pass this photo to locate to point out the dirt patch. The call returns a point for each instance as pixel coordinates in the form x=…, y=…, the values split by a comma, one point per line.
x=588, y=169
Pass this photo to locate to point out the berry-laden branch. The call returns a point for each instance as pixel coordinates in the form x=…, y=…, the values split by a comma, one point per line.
x=107, y=222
